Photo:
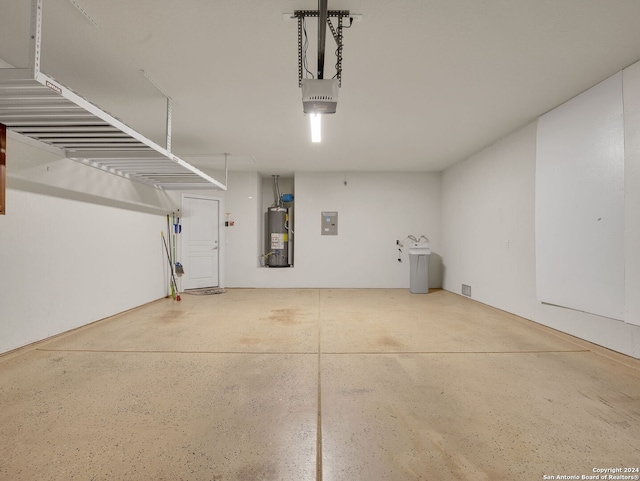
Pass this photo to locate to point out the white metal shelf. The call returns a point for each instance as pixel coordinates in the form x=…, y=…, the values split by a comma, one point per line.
x=41, y=108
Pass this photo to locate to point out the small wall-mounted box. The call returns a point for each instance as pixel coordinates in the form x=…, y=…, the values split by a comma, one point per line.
x=329, y=223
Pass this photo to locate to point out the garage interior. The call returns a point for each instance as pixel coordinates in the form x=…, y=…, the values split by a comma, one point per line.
x=504, y=135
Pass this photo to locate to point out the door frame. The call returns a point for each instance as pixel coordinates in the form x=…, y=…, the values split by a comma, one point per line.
x=221, y=236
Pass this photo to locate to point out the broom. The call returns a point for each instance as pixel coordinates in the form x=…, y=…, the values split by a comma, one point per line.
x=174, y=286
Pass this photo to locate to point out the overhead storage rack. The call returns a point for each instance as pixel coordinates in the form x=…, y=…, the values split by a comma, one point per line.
x=41, y=108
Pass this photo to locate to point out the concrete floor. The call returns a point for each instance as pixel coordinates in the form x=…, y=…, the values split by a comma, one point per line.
x=309, y=384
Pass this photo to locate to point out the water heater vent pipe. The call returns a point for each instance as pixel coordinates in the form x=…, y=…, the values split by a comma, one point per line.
x=276, y=191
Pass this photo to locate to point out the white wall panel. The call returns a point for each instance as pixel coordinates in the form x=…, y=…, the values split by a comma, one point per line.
x=631, y=78
x=374, y=210
x=489, y=241
x=580, y=202
x=487, y=224
x=77, y=245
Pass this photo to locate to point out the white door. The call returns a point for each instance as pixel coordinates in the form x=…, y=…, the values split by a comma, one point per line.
x=200, y=237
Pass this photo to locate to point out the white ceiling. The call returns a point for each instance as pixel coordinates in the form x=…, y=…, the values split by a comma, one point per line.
x=425, y=83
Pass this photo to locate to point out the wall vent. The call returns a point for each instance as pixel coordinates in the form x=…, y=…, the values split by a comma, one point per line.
x=466, y=290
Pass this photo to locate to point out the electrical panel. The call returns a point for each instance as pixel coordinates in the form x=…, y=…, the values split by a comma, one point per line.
x=329, y=223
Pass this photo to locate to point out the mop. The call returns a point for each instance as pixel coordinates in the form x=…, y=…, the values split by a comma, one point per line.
x=177, y=228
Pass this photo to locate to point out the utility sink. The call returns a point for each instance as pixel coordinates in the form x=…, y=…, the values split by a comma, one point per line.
x=419, y=248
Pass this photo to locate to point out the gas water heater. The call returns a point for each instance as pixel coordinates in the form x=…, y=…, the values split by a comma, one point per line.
x=278, y=229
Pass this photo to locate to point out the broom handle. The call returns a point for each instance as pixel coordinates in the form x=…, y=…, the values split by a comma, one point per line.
x=170, y=264
x=169, y=236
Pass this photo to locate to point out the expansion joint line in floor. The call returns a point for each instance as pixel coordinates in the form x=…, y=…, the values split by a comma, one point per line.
x=319, y=420
x=312, y=353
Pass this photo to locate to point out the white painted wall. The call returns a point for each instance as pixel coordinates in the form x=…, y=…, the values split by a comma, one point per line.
x=580, y=202
x=77, y=245
x=488, y=224
x=374, y=209
x=242, y=245
x=631, y=97
x=488, y=213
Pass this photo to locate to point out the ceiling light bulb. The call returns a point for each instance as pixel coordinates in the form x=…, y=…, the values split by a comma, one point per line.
x=316, y=127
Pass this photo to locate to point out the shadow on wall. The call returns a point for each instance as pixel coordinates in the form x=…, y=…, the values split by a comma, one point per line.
x=63, y=193
x=436, y=271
